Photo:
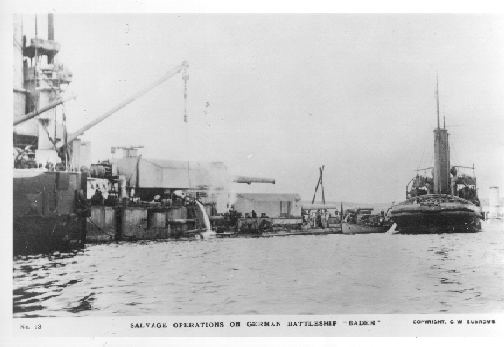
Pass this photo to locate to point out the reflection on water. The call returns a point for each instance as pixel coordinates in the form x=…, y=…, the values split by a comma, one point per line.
x=325, y=274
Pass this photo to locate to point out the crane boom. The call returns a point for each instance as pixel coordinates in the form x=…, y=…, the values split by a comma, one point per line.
x=46, y=108
x=184, y=65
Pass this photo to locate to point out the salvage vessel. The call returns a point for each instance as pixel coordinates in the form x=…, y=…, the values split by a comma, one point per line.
x=47, y=212
x=50, y=166
x=443, y=201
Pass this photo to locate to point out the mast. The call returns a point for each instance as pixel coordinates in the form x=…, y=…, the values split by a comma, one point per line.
x=437, y=99
x=441, y=154
x=50, y=35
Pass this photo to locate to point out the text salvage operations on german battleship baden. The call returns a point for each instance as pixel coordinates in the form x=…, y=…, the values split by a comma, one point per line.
x=152, y=229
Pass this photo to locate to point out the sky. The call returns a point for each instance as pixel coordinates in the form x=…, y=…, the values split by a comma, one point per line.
x=280, y=95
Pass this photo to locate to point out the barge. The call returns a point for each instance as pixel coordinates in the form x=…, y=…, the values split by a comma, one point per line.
x=363, y=221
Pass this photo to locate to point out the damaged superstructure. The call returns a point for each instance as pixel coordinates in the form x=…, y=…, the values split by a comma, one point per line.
x=134, y=197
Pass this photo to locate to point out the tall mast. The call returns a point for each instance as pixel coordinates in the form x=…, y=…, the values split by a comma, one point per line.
x=50, y=35
x=441, y=153
x=437, y=99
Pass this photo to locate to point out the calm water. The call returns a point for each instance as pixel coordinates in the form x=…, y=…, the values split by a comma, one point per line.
x=325, y=274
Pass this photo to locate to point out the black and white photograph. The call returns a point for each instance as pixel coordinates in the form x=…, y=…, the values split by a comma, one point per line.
x=257, y=164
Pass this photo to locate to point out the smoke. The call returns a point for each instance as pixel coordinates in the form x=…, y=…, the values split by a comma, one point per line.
x=217, y=181
x=232, y=197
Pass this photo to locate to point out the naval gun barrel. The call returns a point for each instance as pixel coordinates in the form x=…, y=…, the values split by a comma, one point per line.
x=249, y=180
x=320, y=207
x=184, y=65
x=46, y=108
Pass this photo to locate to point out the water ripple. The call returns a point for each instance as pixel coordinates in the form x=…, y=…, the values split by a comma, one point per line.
x=377, y=273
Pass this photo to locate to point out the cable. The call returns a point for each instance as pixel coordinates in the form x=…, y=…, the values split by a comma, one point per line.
x=185, y=78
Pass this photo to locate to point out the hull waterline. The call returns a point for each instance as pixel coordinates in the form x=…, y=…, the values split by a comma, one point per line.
x=436, y=214
x=349, y=228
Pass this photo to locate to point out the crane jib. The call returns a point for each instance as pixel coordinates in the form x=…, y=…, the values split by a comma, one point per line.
x=183, y=66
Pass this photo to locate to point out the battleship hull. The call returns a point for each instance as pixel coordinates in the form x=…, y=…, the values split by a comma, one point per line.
x=46, y=234
x=46, y=217
x=436, y=213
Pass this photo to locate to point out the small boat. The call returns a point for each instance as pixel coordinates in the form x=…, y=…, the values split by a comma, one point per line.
x=362, y=221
